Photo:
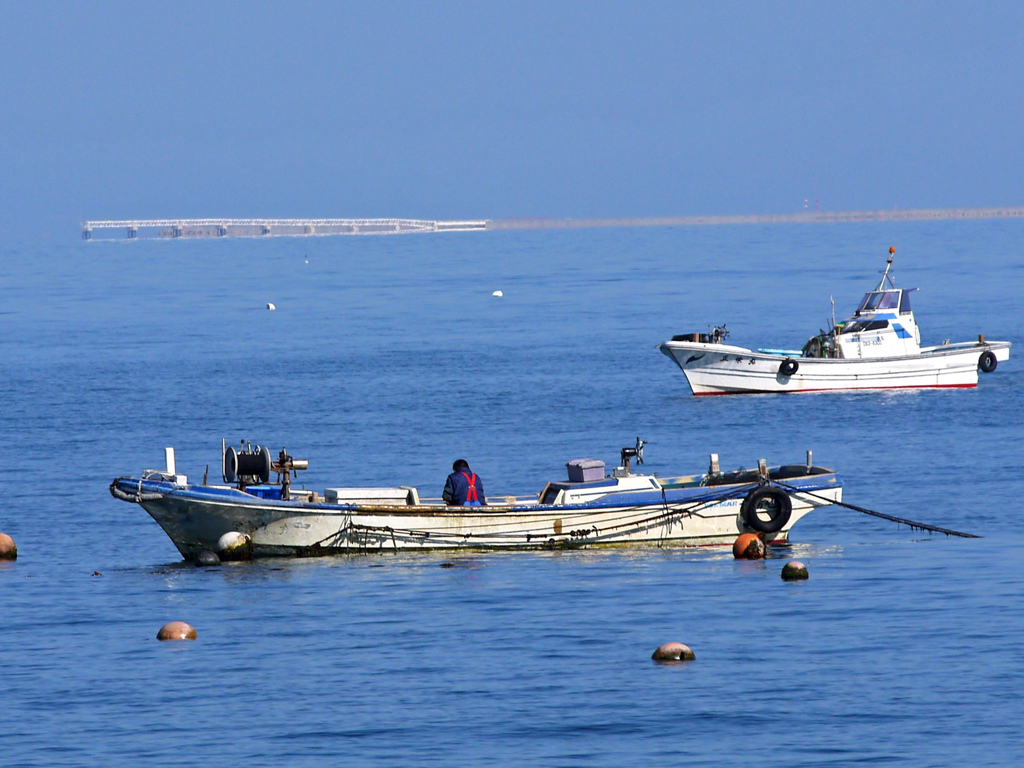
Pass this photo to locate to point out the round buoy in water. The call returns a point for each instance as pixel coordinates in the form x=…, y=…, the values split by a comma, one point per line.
x=8, y=549
x=794, y=570
x=234, y=546
x=207, y=557
x=176, y=630
x=270, y=306
x=748, y=546
x=499, y=294
x=673, y=652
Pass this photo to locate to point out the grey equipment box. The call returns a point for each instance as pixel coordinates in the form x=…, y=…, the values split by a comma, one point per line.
x=585, y=470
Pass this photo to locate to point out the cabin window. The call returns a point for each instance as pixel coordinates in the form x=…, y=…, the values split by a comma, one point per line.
x=905, y=302
x=890, y=300
x=865, y=325
x=879, y=300
x=550, y=494
x=869, y=302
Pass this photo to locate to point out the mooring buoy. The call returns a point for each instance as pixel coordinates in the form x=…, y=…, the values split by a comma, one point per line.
x=673, y=652
x=8, y=549
x=749, y=546
x=794, y=570
x=234, y=546
x=176, y=630
x=207, y=557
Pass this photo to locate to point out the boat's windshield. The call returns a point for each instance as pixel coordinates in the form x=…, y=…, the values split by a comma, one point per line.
x=864, y=325
x=879, y=300
x=905, y=300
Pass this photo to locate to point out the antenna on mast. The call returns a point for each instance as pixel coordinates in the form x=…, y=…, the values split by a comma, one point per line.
x=888, y=265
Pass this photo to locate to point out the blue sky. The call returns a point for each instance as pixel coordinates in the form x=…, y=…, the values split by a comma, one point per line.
x=503, y=110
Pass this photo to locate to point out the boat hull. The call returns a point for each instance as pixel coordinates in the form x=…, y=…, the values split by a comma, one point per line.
x=195, y=517
x=720, y=369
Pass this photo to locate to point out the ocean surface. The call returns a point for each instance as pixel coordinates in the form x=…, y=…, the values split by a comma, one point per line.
x=389, y=357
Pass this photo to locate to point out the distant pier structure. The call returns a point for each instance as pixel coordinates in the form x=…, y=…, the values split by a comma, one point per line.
x=135, y=228
x=173, y=228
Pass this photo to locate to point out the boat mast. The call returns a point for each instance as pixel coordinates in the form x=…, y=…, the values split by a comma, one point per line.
x=888, y=264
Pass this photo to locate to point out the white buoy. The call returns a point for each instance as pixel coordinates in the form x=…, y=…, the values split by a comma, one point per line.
x=499, y=294
x=270, y=306
x=234, y=546
x=794, y=570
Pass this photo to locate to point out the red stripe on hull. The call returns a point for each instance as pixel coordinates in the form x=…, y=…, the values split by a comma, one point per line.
x=847, y=389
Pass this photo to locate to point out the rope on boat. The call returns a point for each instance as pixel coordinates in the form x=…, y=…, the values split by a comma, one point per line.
x=346, y=525
x=577, y=537
x=902, y=520
x=580, y=537
x=136, y=498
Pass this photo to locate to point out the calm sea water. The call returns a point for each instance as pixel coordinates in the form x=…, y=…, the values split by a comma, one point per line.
x=387, y=358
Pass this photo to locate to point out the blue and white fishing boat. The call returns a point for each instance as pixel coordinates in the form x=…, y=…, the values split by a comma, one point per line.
x=588, y=509
x=878, y=347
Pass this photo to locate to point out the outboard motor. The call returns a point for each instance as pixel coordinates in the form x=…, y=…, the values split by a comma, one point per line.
x=636, y=452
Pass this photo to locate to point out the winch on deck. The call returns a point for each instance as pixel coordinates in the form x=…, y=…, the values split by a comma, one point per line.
x=714, y=335
x=251, y=467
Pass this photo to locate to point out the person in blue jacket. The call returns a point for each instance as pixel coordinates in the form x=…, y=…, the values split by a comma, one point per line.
x=464, y=488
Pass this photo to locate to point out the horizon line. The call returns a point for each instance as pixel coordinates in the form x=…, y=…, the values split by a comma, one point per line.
x=802, y=217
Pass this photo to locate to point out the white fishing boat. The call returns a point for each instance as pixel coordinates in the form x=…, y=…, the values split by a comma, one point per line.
x=590, y=508
x=879, y=347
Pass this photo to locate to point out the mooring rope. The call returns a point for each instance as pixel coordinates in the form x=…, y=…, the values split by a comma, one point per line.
x=914, y=525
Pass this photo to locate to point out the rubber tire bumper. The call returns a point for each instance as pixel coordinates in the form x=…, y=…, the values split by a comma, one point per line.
x=778, y=520
x=788, y=367
x=987, y=362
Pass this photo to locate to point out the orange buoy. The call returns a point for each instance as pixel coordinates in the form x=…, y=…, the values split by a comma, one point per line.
x=794, y=570
x=673, y=652
x=748, y=546
x=8, y=549
x=176, y=630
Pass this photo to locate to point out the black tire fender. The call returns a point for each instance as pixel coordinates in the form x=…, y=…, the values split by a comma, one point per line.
x=779, y=510
x=987, y=362
x=788, y=367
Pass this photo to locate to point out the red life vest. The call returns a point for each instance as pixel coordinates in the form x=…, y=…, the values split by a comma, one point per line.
x=471, y=491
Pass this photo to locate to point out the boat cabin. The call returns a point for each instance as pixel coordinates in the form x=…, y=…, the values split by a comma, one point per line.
x=882, y=326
